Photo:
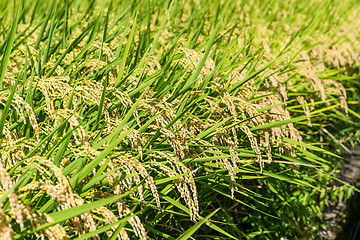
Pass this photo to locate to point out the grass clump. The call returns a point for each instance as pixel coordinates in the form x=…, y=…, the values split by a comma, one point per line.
x=182, y=119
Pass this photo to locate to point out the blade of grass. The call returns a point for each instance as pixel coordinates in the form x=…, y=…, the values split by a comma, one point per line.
x=61, y=216
x=193, y=229
x=8, y=49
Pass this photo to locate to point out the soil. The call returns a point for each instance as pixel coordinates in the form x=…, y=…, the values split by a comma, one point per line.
x=344, y=218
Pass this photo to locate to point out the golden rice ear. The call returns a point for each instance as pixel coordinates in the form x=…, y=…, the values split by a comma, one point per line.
x=21, y=212
x=185, y=184
x=301, y=100
x=15, y=205
x=18, y=104
x=132, y=165
x=123, y=211
x=6, y=231
x=192, y=59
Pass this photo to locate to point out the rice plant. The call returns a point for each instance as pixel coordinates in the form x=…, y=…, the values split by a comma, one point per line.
x=175, y=119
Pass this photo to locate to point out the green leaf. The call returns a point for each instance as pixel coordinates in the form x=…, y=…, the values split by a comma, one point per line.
x=279, y=123
x=61, y=216
x=211, y=129
x=302, y=144
x=5, y=112
x=9, y=43
x=105, y=228
x=76, y=179
x=189, y=83
x=126, y=54
x=24, y=178
x=193, y=229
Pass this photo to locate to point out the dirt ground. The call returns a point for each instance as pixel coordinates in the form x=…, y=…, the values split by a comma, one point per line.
x=344, y=218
